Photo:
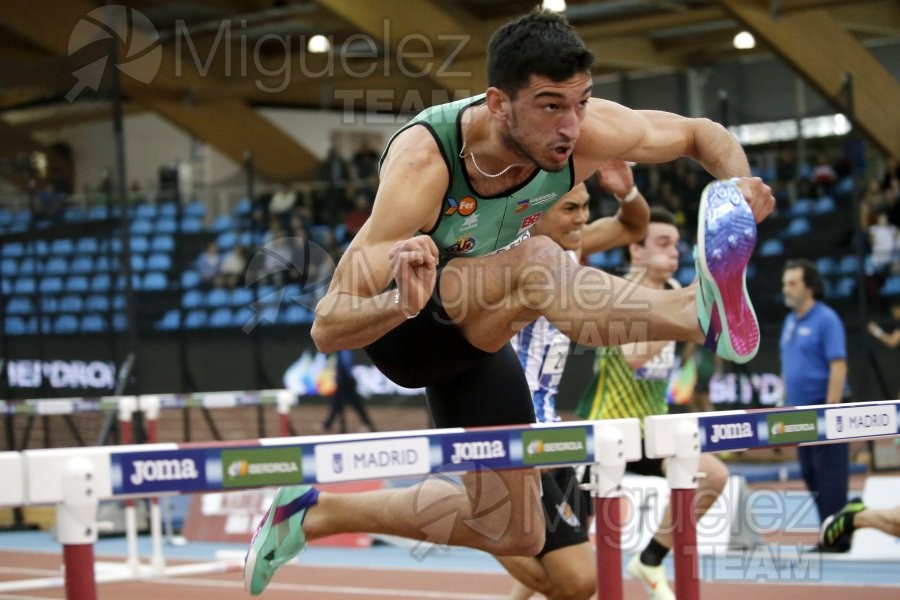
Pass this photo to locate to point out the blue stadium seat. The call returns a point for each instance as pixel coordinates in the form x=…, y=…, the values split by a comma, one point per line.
x=87, y=245
x=57, y=265
x=71, y=304
x=194, y=208
x=155, y=281
x=848, y=265
x=101, y=282
x=218, y=297
x=803, y=206
x=6, y=217
x=77, y=284
x=27, y=266
x=685, y=275
x=226, y=240
x=82, y=265
x=824, y=205
x=62, y=246
x=826, y=265
x=9, y=266
x=159, y=262
x=797, y=227
x=93, y=323
x=65, y=324
x=24, y=286
x=20, y=326
x=49, y=304
x=190, y=280
x=162, y=243
x=140, y=244
x=141, y=227
x=119, y=302
x=13, y=249
x=145, y=210
x=6, y=286
x=222, y=223
x=191, y=225
x=51, y=285
x=98, y=212
x=169, y=321
x=20, y=305
x=242, y=316
x=138, y=263
x=96, y=303
x=195, y=319
x=771, y=247
x=242, y=297
x=166, y=225
x=221, y=317
x=296, y=315
x=119, y=322
x=193, y=299
x=169, y=209
x=844, y=287
x=891, y=286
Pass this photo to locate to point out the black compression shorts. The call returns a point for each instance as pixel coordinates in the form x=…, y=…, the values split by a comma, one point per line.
x=567, y=509
x=465, y=386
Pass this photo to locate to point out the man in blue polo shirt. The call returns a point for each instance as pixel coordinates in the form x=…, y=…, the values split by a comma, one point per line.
x=814, y=368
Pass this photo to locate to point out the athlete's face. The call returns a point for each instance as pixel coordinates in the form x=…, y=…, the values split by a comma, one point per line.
x=565, y=219
x=658, y=255
x=545, y=119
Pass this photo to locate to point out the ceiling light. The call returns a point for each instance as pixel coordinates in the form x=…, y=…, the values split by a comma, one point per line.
x=554, y=5
x=744, y=40
x=318, y=44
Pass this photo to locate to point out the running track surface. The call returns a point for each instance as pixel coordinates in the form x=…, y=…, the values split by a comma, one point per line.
x=342, y=583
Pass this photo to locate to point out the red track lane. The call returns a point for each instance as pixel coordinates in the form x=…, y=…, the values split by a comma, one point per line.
x=333, y=583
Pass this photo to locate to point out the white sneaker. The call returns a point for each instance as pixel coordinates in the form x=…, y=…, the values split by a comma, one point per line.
x=653, y=578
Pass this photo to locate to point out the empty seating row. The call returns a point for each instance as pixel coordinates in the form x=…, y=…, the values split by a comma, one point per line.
x=234, y=318
x=63, y=324
x=87, y=245
x=82, y=265
x=99, y=283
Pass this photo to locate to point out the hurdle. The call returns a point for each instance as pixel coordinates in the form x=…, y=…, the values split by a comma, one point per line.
x=682, y=438
x=75, y=480
x=126, y=407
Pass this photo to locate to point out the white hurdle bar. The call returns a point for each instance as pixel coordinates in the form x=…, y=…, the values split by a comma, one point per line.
x=118, y=472
x=682, y=438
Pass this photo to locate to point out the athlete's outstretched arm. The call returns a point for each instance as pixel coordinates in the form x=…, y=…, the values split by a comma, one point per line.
x=611, y=130
x=357, y=310
x=629, y=224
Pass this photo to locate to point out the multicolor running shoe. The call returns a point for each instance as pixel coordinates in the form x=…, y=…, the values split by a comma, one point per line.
x=279, y=536
x=726, y=237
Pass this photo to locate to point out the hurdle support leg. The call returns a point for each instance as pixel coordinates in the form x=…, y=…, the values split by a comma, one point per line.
x=681, y=473
x=128, y=405
x=606, y=484
x=77, y=528
x=150, y=406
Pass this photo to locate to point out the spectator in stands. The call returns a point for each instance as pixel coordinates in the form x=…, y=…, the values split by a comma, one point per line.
x=208, y=264
x=883, y=242
x=873, y=203
x=365, y=160
x=48, y=203
x=892, y=339
x=233, y=268
x=814, y=370
x=282, y=204
x=358, y=216
x=823, y=176
x=335, y=174
x=890, y=183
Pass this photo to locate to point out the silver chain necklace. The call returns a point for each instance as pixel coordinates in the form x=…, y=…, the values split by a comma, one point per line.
x=463, y=155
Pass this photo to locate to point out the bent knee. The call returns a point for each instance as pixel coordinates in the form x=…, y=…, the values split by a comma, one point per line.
x=716, y=477
x=520, y=544
x=574, y=586
x=539, y=248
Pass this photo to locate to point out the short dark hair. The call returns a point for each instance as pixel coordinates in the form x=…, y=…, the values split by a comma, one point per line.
x=539, y=43
x=658, y=214
x=811, y=277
